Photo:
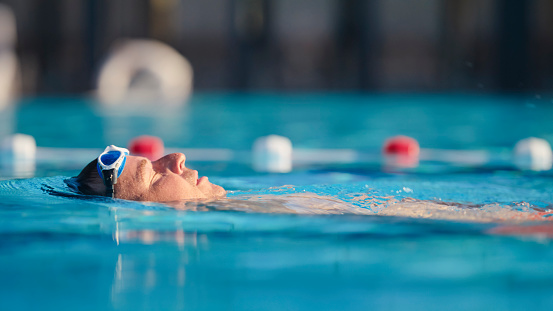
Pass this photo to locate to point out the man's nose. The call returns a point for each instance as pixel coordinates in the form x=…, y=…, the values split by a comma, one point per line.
x=175, y=162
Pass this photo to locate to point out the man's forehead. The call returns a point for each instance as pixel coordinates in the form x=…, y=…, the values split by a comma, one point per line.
x=131, y=168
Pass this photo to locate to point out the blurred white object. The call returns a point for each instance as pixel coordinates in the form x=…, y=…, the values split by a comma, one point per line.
x=8, y=58
x=8, y=78
x=19, y=147
x=273, y=154
x=145, y=72
x=17, y=155
x=533, y=154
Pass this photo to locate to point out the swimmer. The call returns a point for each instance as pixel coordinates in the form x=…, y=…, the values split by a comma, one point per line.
x=117, y=174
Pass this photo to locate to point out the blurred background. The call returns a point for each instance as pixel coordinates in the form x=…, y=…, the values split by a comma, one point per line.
x=308, y=45
x=455, y=74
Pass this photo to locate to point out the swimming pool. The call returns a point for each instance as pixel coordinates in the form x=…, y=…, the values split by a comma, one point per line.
x=62, y=253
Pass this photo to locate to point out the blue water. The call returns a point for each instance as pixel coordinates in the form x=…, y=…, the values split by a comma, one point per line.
x=70, y=253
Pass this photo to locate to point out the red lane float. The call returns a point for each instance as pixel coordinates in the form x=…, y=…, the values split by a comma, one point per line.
x=402, y=145
x=401, y=151
x=150, y=147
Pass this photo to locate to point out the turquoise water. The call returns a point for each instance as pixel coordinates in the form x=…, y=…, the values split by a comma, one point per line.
x=67, y=253
x=310, y=121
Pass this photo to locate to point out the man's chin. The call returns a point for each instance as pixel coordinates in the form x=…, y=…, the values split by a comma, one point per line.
x=212, y=191
x=219, y=192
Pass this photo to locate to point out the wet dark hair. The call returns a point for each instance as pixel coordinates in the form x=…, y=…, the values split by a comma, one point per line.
x=88, y=181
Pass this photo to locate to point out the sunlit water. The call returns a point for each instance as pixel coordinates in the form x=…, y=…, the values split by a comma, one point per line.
x=323, y=247
x=320, y=238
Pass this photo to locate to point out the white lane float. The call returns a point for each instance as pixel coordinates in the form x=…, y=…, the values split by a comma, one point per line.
x=272, y=154
x=18, y=147
x=18, y=154
x=533, y=154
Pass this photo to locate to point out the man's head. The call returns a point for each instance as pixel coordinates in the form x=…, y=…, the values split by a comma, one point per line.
x=166, y=179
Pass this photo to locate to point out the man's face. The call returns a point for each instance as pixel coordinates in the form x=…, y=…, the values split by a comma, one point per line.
x=166, y=179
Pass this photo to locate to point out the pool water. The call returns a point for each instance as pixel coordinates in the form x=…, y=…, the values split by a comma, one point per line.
x=465, y=237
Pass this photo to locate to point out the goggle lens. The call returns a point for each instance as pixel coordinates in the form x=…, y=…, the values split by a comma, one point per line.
x=110, y=157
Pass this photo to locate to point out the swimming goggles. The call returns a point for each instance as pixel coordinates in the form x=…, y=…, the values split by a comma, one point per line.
x=110, y=166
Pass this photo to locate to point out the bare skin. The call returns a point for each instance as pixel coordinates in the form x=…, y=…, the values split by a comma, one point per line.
x=164, y=180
